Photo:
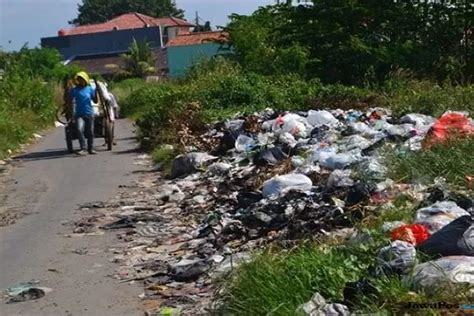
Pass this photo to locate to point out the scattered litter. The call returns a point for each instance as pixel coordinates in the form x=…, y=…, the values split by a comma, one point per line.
x=26, y=292
x=397, y=258
x=281, y=184
x=438, y=215
x=318, y=306
x=454, y=239
x=272, y=177
x=412, y=233
x=447, y=274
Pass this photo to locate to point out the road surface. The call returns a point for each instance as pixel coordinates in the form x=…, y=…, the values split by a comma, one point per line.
x=48, y=184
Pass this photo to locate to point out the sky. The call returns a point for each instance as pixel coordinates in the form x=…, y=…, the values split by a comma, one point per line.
x=27, y=21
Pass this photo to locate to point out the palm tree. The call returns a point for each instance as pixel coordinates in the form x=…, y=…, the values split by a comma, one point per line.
x=140, y=60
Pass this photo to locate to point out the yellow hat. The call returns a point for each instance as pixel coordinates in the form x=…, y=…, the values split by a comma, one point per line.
x=83, y=75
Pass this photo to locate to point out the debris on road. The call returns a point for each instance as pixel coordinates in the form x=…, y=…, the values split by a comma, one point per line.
x=25, y=292
x=269, y=177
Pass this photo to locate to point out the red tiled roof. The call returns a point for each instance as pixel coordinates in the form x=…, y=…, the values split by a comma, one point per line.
x=126, y=21
x=198, y=38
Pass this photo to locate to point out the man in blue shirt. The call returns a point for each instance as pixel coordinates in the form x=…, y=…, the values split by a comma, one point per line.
x=84, y=94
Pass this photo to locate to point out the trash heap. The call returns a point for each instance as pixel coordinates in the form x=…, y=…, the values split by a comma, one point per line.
x=276, y=177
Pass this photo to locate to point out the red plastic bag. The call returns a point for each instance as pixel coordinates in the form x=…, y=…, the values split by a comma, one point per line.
x=280, y=120
x=448, y=126
x=415, y=234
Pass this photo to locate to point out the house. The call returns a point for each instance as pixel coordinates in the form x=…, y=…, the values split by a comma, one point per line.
x=185, y=50
x=97, y=47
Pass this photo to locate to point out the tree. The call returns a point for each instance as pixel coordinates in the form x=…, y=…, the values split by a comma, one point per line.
x=140, y=60
x=99, y=11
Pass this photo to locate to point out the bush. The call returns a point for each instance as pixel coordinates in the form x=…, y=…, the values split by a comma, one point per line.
x=28, y=94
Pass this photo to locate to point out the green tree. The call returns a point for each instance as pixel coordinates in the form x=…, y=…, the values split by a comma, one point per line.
x=140, y=60
x=358, y=41
x=98, y=11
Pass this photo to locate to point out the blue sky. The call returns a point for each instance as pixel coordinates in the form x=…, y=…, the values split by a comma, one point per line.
x=23, y=21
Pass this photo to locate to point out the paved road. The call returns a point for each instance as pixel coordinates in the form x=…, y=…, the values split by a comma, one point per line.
x=49, y=184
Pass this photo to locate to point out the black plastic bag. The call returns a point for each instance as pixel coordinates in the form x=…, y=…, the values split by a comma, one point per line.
x=454, y=239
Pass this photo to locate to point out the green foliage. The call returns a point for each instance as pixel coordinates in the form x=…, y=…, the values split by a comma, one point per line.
x=256, y=46
x=27, y=95
x=98, y=11
x=425, y=97
x=44, y=63
x=277, y=283
x=451, y=160
x=25, y=106
x=357, y=42
x=122, y=89
x=139, y=61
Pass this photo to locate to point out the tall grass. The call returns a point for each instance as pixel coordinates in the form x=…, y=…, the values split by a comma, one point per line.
x=26, y=106
x=451, y=160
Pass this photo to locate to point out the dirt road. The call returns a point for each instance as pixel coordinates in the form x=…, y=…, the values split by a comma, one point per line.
x=47, y=185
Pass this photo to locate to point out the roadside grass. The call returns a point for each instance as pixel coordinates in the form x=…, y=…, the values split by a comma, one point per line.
x=164, y=155
x=376, y=219
x=451, y=160
x=276, y=282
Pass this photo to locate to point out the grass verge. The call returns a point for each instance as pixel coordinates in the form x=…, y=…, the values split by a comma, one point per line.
x=451, y=160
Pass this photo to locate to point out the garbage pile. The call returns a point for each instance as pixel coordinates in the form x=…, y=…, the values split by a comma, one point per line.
x=274, y=177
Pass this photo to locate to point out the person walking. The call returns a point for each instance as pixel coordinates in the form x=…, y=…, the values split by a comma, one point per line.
x=84, y=94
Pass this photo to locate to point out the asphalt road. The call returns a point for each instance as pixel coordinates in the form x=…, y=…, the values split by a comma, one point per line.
x=48, y=184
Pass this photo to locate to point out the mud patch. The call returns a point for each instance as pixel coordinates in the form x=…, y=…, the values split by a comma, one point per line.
x=18, y=201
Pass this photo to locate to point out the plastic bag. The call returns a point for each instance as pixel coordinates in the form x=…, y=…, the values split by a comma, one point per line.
x=295, y=128
x=454, y=239
x=450, y=125
x=438, y=215
x=269, y=156
x=417, y=119
x=290, y=123
x=399, y=257
x=341, y=160
x=189, y=163
x=317, y=306
x=281, y=184
x=444, y=275
x=319, y=118
x=356, y=142
x=411, y=233
x=244, y=143
x=340, y=178
x=234, y=125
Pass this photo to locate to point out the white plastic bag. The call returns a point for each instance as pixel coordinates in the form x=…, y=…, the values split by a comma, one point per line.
x=398, y=257
x=438, y=215
x=340, y=178
x=341, y=160
x=279, y=185
x=244, y=143
x=290, y=123
x=445, y=274
x=355, y=142
x=320, y=118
